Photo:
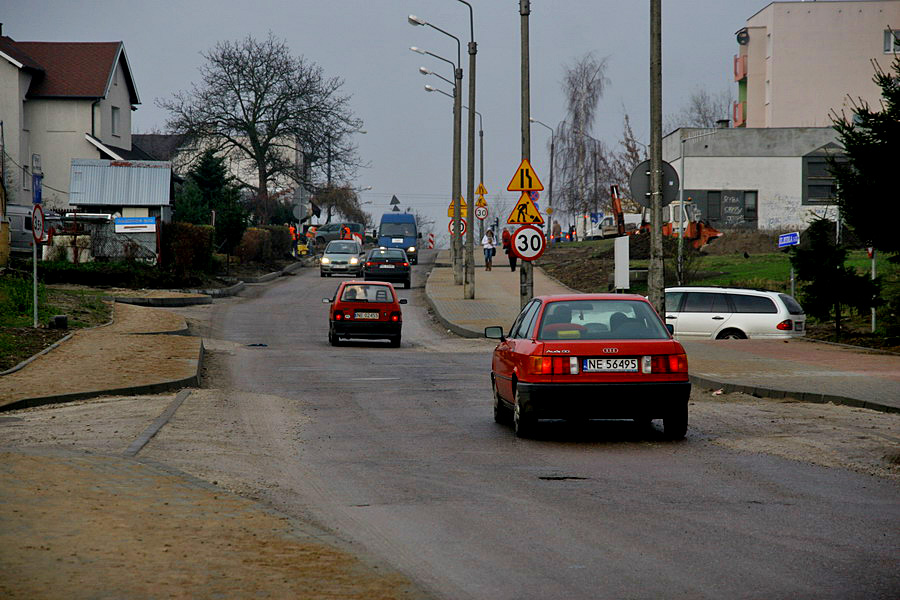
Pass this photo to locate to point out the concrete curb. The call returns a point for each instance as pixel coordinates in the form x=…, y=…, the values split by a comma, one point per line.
x=453, y=327
x=25, y=362
x=150, y=388
x=812, y=397
x=166, y=302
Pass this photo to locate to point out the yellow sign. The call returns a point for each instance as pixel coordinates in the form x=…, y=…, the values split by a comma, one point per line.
x=462, y=208
x=549, y=210
x=481, y=191
x=481, y=201
x=525, y=212
x=525, y=179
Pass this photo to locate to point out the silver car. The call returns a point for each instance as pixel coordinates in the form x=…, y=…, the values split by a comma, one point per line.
x=341, y=256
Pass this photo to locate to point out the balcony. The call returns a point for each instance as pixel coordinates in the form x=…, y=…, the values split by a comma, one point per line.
x=739, y=114
x=740, y=67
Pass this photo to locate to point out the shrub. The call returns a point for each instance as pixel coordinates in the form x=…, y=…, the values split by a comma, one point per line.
x=186, y=247
x=255, y=246
x=281, y=240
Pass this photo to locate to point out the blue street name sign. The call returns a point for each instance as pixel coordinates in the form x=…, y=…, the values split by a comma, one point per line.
x=788, y=239
x=36, y=188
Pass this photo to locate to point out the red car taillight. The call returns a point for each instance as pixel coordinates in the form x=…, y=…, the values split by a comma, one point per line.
x=668, y=363
x=369, y=263
x=338, y=315
x=406, y=264
x=556, y=365
x=786, y=325
x=395, y=317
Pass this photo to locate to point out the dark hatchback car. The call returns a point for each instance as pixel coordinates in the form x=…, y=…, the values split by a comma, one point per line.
x=365, y=310
x=388, y=264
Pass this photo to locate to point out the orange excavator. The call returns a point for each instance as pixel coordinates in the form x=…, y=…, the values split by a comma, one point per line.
x=697, y=232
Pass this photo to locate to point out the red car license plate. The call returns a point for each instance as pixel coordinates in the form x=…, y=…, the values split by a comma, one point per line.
x=366, y=315
x=387, y=266
x=609, y=365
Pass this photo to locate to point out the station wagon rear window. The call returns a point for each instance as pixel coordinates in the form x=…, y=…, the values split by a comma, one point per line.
x=600, y=320
x=744, y=303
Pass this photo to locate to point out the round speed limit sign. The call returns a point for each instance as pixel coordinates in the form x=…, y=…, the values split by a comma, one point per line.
x=462, y=225
x=37, y=223
x=528, y=242
x=481, y=212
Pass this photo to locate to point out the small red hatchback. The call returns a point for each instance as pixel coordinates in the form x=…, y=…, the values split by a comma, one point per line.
x=365, y=309
x=583, y=356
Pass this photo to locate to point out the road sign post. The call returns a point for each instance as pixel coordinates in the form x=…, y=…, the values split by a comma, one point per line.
x=528, y=242
x=786, y=240
x=481, y=212
x=37, y=231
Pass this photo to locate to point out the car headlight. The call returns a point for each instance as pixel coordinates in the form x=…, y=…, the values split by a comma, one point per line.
x=411, y=249
x=354, y=260
x=325, y=260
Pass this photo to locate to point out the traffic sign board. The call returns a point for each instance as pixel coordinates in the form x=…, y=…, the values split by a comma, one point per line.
x=480, y=201
x=640, y=184
x=481, y=212
x=481, y=191
x=525, y=179
x=789, y=239
x=528, y=242
x=463, y=209
x=525, y=212
x=549, y=210
x=462, y=226
x=37, y=223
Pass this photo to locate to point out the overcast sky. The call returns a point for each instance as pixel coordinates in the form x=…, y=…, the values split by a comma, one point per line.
x=366, y=42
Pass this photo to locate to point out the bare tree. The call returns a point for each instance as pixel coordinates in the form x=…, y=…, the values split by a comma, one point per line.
x=576, y=152
x=263, y=107
x=703, y=109
x=342, y=200
x=622, y=162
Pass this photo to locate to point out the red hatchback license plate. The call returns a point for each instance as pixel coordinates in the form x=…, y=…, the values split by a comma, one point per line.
x=365, y=315
x=609, y=365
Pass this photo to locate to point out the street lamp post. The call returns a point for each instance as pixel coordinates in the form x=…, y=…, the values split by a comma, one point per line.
x=469, y=289
x=457, y=117
x=552, y=157
x=429, y=88
x=455, y=254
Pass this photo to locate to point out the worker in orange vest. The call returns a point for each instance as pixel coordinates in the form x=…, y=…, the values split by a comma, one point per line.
x=293, y=231
x=346, y=234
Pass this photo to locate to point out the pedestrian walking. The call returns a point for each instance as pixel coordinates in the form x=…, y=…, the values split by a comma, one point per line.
x=556, y=231
x=490, y=249
x=507, y=247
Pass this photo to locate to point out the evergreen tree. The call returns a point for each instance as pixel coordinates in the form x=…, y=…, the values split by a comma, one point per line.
x=827, y=284
x=190, y=206
x=866, y=183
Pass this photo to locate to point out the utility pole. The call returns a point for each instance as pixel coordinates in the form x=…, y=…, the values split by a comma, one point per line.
x=469, y=288
x=455, y=249
x=526, y=273
x=656, y=275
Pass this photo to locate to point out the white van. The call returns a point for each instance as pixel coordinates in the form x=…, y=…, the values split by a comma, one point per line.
x=20, y=236
x=733, y=313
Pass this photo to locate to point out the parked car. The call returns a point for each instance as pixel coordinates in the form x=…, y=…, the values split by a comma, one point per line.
x=388, y=264
x=332, y=231
x=366, y=310
x=733, y=313
x=589, y=356
x=341, y=256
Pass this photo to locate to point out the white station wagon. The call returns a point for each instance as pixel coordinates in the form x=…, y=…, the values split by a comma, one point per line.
x=733, y=313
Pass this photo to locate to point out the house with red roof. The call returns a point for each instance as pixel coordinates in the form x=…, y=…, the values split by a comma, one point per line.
x=61, y=101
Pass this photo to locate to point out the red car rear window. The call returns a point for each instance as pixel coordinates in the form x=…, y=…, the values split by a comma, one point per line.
x=367, y=292
x=601, y=320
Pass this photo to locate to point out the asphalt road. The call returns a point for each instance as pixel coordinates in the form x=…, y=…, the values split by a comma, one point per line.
x=396, y=451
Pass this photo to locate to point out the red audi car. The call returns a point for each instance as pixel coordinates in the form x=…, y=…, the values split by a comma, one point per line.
x=589, y=356
x=366, y=310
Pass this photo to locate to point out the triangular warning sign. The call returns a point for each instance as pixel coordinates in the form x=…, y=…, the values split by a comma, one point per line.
x=481, y=191
x=525, y=179
x=462, y=208
x=525, y=213
x=481, y=201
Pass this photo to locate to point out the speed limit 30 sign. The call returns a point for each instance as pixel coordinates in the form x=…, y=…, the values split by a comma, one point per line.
x=528, y=242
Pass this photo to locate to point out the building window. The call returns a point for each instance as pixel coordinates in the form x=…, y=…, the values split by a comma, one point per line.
x=750, y=205
x=714, y=205
x=818, y=183
x=891, y=42
x=115, y=120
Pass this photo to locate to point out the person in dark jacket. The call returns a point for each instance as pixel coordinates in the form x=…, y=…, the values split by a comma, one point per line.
x=507, y=247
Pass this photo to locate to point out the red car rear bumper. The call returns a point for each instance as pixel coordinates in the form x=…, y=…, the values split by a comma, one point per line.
x=653, y=400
